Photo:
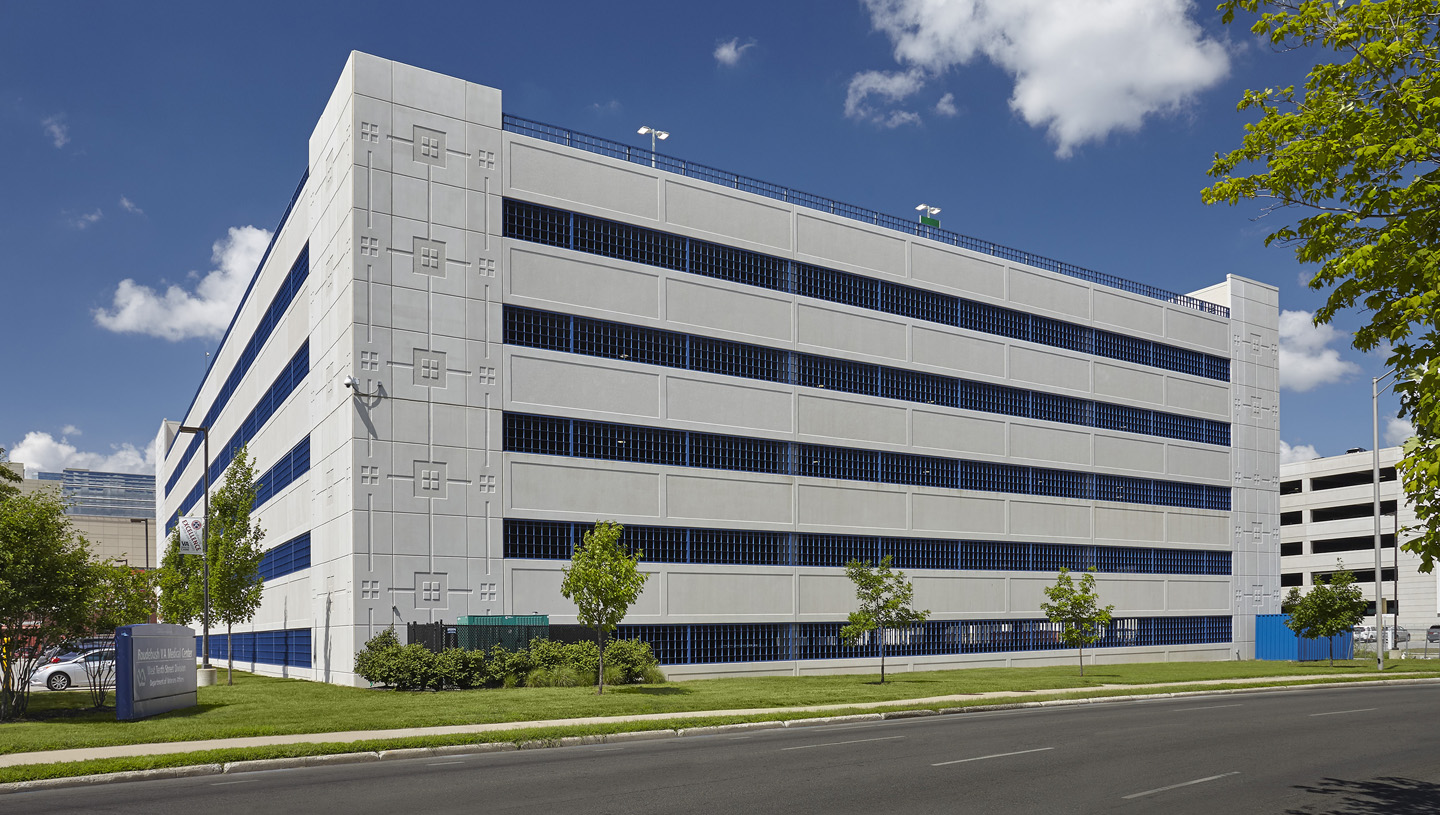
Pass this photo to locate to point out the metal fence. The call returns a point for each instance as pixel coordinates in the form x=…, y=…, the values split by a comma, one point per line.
x=439, y=636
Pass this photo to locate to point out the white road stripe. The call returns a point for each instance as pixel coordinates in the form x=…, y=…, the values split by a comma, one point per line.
x=1339, y=712
x=838, y=743
x=227, y=783
x=441, y=763
x=993, y=755
x=1212, y=707
x=1178, y=786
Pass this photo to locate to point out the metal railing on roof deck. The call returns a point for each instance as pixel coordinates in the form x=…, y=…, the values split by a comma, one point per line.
x=689, y=169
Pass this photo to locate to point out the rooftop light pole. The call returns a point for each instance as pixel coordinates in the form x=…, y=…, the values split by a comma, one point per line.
x=1375, y=391
x=205, y=556
x=654, y=134
x=927, y=215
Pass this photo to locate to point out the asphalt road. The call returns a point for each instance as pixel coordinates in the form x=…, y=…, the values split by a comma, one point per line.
x=1344, y=750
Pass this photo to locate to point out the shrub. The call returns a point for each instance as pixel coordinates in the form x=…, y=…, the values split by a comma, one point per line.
x=561, y=677
x=374, y=661
x=413, y=667
x=547, y=654
x=457, y=668
x=630, y=659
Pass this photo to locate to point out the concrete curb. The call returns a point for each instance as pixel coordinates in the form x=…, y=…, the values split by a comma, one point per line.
x=267, y=764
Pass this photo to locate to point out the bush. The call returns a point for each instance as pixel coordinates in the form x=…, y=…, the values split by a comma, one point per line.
x=561, y=677
x=413, y=667
x=630, y=659
x=373, y=662
x=457, y=668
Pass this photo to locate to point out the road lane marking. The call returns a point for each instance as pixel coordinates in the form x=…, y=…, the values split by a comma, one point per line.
x=606, y=749
x=1211, y=707
x=1339, y=712
x=227, y=783
x=1178, y=786
x=838, y=743
x=993, y=755
x=441, y=763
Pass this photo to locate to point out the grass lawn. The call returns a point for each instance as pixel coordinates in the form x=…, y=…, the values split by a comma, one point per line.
x=259, y=705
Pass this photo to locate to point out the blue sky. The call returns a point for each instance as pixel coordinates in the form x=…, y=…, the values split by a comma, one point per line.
x=148, y=151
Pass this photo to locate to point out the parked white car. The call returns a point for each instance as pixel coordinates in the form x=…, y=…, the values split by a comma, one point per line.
x=74, y=670
x=1364, y=633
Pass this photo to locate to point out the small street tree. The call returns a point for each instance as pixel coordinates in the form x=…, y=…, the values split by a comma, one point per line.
x=603, y=581
x=233, y=548
x=120, y=596
x=9, y=481
x=1077, y=610
x=885, y=599
x=45, y=589
x=1329, y=608
x=235, y=553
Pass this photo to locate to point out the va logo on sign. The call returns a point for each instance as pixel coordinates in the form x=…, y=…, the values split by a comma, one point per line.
x=192, y=535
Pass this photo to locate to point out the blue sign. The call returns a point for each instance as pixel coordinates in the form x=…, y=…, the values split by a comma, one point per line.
x=154, y=670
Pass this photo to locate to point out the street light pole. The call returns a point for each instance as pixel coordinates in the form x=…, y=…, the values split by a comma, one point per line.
x=205, y=555
x=1375, y=477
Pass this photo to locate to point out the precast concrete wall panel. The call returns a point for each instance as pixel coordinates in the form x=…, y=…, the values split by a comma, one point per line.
x=730, y=218
x=957, y=271
x=584, y=491
x=1129, y=385
x=1043, y=519
x=728, y=405
x=848, y=246
x=876, y=509
x=1050, y=293
x=546, y=280
x=539, y=384
x=1116, y=453
x=832, y=329
x=946, y=514
x=845, y=422
x=957, y=351
x=1049, y=445
x=716, y=499
x=712, y=593
x=738, y=313
x=1049, y=369
x=1129, y=313
x=1128, y=526
x=956, y=433
x=604, y=187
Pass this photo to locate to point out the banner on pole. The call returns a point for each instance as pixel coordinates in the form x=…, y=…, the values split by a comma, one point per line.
x=192, y=535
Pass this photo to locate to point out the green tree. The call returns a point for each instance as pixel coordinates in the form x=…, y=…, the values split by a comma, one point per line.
x=1329, y=608
x=235, y=553
x=232, y=543
x=9, y=480
x=1351, y=163
x=45, y=588
x=1077, y=610
x=120, y=596
x=885, y=599
x=603, y=581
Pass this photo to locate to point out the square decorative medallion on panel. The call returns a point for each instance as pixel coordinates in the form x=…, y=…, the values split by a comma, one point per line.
x=429, y=146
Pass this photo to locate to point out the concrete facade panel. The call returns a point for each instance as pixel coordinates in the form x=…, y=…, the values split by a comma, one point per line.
x=593, y=183
x=957, y=514
x=1049, y=369
x=729, y=404
x=1132, y=525
x=595, y=490
x=845, y=421
x=1132, y=385
x=954, y=351
x=712, y=593
x=1121, y=453
x=1130, y=313
x=1049, y=292
x=1198, y=464
x=946, y=594
x=954, y=433
x=850, y=508
x=1049, y=445
x=1202, y=398
x=957, y=271
x=538, y=383
x=739, y=312
x=765, y=499
x=1037, y=519
x=550, y=279
x=729, y=216
x=835, y=330
x=847, y=245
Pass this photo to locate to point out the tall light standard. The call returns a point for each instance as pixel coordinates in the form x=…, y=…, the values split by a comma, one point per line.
x=205, y=555
x=145, y=521
x=1375, y=390
x=654, y=134
x=927, y=215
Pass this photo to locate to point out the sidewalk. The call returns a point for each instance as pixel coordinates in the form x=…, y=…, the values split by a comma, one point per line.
x=123, y=750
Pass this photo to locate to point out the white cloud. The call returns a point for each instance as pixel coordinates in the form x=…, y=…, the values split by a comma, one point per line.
x=86, y=220
x=179, y=314
x=1397, y=430
x=70, y=430
x=129, y=206
x=56, y=129
x=1306, y=360
x=1298, y=453
x=1082, y=69
x=946, y=106
x=729, y=53
x=41, y=452
x=890, y=88
x=606, y=108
